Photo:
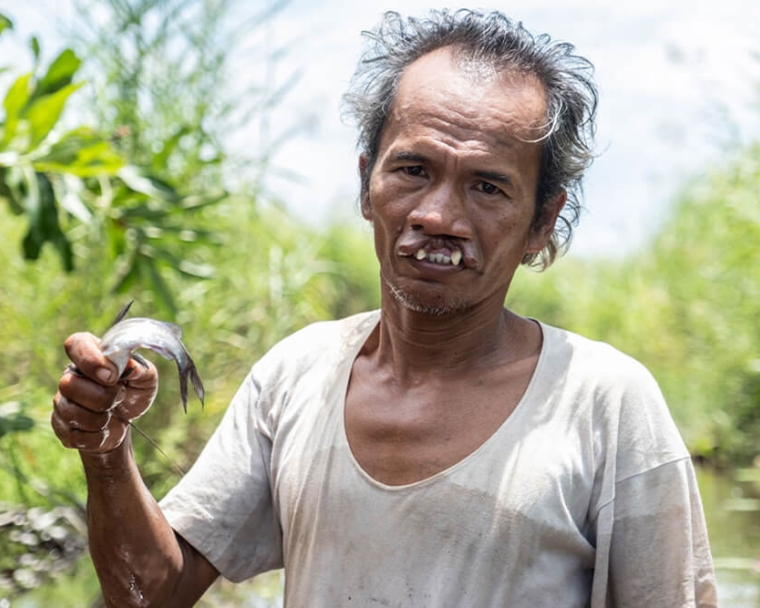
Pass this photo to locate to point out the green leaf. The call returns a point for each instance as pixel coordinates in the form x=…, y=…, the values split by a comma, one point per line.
x=13, y=419
x=159, y=287
x=141, y=181
x=42, y=212
x=45, y=111
x=34, y=44
x=144, y=211
x=80, y=137
x=7, y=193
x=68, y=195
x=15, y=100
x=59, y=75
x=5, y=23
x=32, y=244
x=98, y=159
x=83, y=153
x=198, y=271
x=199, y=201
x=190, y=269
x=160, y=160
x=127, y=272
x=184, y=234
x=13, y=187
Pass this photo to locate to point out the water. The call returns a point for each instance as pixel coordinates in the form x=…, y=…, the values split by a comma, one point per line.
x=733, y=522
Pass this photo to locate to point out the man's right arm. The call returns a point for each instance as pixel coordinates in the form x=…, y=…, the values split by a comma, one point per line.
x=139, y=559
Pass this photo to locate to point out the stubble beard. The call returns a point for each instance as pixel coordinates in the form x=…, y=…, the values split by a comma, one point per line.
x=410, y=303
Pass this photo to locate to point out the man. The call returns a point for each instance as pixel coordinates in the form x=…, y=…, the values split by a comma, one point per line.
x=443, y=451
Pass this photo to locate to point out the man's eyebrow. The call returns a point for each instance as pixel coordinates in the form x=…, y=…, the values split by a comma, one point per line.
x=410, y=156
x=500, y=178
x=416, y=157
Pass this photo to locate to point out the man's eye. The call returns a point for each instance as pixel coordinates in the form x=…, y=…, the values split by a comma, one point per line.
x=487, y=188
x=414, y=170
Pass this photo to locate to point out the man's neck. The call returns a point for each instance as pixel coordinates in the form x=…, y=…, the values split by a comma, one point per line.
x=413, y=346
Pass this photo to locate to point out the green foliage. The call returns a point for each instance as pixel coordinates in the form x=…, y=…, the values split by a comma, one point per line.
x=163, y=82
x=13, y=419
x=32, y=107
x=708, y=262
x=115, y=212
x=687, y=305
x=137, y=211
x=78, y=192
x=5, y=23
x=274, y=275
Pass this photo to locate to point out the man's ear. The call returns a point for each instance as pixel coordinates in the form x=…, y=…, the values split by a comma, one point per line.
x=543, y=226
x=364, y=172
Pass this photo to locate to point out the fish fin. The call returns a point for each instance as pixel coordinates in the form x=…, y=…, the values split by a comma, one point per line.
x=191, y=372
x=140, y=359
x=183, y=389
x=122, y=313
x=130, y=368
x=198, y=385
x=175, y=329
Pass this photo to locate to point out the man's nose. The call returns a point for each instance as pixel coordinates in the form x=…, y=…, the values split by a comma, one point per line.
x=442, y=210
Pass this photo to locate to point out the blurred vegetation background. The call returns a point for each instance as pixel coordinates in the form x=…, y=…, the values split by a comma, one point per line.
x=134, y=196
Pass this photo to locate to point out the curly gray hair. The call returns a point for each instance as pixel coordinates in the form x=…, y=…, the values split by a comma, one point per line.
x=493, y=39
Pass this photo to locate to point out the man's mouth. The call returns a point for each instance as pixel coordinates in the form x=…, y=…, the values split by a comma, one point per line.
x=452, y=258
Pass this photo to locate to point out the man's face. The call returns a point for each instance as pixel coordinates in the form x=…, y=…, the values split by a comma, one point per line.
x=452, y=192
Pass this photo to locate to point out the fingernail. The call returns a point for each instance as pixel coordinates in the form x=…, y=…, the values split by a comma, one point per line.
x=104, y=375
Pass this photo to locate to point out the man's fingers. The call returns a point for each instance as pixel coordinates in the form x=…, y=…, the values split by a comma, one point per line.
x=88, y=393
x=93, y=406
x=77, y=417
x=80, y=433
x=84, y=351
x=141, y=374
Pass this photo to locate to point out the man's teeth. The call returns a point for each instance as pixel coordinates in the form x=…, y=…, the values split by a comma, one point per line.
x=440, y=258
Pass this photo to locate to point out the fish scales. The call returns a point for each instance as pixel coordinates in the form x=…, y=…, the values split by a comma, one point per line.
x=124, y=337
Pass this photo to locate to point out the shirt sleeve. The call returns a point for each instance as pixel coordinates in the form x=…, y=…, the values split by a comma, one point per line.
x=652, y=547
x=659, y=552
x=223, y=506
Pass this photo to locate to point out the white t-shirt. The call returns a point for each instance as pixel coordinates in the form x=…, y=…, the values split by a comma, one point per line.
x=585, y=496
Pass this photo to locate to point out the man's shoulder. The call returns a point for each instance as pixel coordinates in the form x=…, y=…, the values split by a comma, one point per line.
x=328, y=333
x=320, y=342
x=597, y=361
x=622, y=396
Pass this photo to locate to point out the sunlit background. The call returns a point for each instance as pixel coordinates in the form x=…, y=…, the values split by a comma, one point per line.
x=679, y=102
x=678, y=86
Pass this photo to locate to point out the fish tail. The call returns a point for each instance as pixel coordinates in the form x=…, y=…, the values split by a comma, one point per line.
x=191, y=372
x=183, y=388
x=197, y=385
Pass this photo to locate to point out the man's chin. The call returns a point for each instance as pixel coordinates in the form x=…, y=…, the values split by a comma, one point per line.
x=418, y=305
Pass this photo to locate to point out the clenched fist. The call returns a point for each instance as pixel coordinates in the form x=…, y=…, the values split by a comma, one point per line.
x=93, y=406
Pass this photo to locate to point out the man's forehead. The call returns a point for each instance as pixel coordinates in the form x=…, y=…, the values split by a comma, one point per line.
x=449, y=75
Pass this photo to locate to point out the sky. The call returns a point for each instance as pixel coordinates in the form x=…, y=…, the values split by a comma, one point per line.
x=679, y=90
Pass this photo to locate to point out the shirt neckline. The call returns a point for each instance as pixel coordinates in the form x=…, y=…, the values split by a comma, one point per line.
x=372, y=321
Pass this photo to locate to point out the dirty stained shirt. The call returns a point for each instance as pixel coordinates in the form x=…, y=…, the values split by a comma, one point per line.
x=584, y=496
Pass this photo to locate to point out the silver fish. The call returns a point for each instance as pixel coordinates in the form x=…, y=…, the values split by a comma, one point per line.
x=126, y=335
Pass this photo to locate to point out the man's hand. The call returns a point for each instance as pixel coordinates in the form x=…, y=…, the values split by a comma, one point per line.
x=93, y=406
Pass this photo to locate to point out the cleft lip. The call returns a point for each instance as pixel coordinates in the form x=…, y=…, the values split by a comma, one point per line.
x=410, y=245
